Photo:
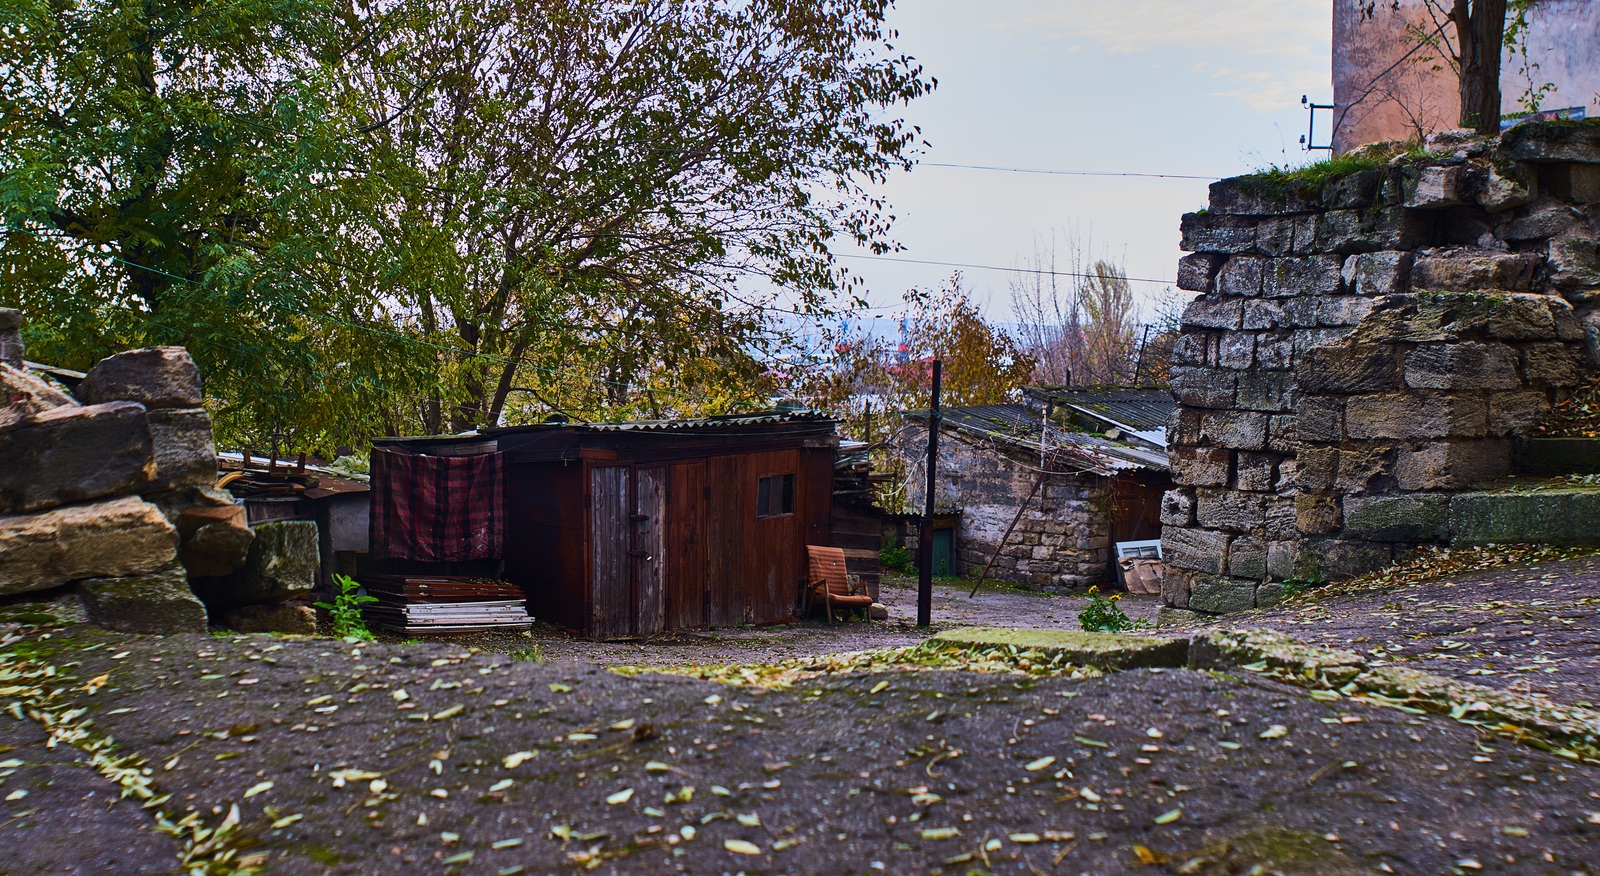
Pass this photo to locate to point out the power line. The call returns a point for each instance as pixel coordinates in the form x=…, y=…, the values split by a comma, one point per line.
x=1041, y=272
x=1048, y=172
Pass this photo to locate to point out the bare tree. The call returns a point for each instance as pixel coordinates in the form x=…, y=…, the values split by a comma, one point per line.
x=1076, y=321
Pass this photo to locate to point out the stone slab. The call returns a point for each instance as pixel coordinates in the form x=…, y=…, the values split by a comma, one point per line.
x=113, y=539
x=1565, y=516
x=74, y=454
x=186, y=453
x=156, y=603
x=157, y=377
x=1110, y=651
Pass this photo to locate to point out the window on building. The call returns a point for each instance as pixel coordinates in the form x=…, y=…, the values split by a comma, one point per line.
x=775, y=496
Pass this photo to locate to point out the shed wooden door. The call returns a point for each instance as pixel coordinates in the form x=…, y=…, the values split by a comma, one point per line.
x=610, y=586
x=688, y=597
x=649, y=550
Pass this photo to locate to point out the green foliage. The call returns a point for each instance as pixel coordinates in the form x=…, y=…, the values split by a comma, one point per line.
x=437, y=214
x=896, y=558
x=1104, y=614
x=345, y=610
x=527, y=654
x=1299, y=585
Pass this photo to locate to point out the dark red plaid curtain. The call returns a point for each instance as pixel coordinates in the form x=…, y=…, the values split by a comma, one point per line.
x=437, y=508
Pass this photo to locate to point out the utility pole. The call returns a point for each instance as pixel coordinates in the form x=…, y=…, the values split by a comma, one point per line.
x=925, y=541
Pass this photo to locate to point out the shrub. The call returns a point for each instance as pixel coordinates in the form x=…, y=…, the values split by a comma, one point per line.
x=345, y=609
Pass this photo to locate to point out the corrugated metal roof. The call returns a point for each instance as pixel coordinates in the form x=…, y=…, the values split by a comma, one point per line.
x=1142, y=413
x=1022, y=428
x=732, y=422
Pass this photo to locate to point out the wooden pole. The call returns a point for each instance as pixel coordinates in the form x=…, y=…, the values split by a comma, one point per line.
x=925, y=541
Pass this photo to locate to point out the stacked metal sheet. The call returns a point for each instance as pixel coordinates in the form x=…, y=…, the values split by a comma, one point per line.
x=446, y=604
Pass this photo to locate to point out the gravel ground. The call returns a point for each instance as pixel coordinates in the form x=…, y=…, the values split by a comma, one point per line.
x=901, y=772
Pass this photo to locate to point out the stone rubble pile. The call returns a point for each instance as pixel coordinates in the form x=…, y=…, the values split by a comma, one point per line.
x=113, y=492
x=1365, y=348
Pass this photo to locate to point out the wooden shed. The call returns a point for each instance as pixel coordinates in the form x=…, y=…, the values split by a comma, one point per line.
x=628, y=529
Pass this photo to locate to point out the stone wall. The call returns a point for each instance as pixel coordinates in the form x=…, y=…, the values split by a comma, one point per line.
x=1365, y=348
x=1061, y=542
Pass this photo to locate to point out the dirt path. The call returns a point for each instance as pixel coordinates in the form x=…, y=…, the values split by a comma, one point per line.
x=930, y=772
x=1530, y=629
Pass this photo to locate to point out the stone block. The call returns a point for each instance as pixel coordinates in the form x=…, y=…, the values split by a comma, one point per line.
x=1583, y=183
x=1264, y=315
x=11, y=337
x=1528, y=318
x=1283, y=434
x=1240, y=276
x=1229, y=510
x=280, y=565
x=1183, y=427
x=156, y=377
x=1404, y=518
x=1364, y=466
x=1217, y=232
x=1574, y=262
x=1316, y=468
x=1320, y=418
x=1515, y=413
x=1543, y=220
x=1200, y=466
x=186, y=455
x=1255, y=195
x=1270, y=593
x=1506, y=187
x=1552, y=365
x=1342, y=310
x=1275, y=351
x=1435, y=187
x=1236, y=350
x=1453, y=465
x=1168, y=616
x=1275, y=236
x=214, y=539
x=1177, y=508
x=160, y=602
x=1256, y=472
x=1175, y=588
x=1553, y=143
x=1213, y=313
x=1425, y=319
x=111, y=539
x=1317, y=514
x=1352, y=191
x=1191, y=349
x=1204, y=387
x=1197, y=270
x=1287, y=476
x=1568, y=517
x=74, y=454
x=1473, y=270
x=1375, y=274
x=1379, y=228
x=1335, y=559
x=1280, y=517
x=1465, y=366
x=1198, y=550
x=1215, y=594
x=1299, y=313
x=1348, y=368
x=1238, y=430
x=1307, y=275
x=1247, y=558
x=26, y=395
x=1266, y=391
x=1280, y=559
x=1108, y=651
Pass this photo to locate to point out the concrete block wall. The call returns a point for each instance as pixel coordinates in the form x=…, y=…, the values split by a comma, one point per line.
x=1362, y=349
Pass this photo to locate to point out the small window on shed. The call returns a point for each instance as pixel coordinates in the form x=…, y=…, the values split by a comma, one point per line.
x=775, y=496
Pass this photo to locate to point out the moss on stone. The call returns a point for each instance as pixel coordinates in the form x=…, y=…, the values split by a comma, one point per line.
x=1108, y=651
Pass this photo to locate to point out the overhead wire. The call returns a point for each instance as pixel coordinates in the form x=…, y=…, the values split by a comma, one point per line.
x=1050, y=172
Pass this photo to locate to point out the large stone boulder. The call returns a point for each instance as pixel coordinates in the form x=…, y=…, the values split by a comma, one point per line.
x=113, y=539
x=186, y=453
x=74, y=454
x=157, y=377
x=281, y=564
x=24, y=395
x=160, y=602
x=216, y=539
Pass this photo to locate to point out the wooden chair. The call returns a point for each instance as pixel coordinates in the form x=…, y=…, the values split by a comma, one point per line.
x=829, y=583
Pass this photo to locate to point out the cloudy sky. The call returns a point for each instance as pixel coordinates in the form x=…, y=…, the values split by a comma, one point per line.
x=1188, y=87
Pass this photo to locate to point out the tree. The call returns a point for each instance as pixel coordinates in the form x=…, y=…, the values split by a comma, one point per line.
x=598, y=182
x=1079, y=332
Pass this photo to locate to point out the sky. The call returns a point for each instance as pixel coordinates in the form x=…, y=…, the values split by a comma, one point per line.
x=1191, y=87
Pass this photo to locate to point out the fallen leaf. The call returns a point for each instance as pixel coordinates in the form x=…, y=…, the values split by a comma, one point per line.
x=1169, y=816
x=257, y=789
x=940, y=833
x=1276, y=731
x=1042, y=763
x=741, y=847
x=622, y=796
x=512, y=761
